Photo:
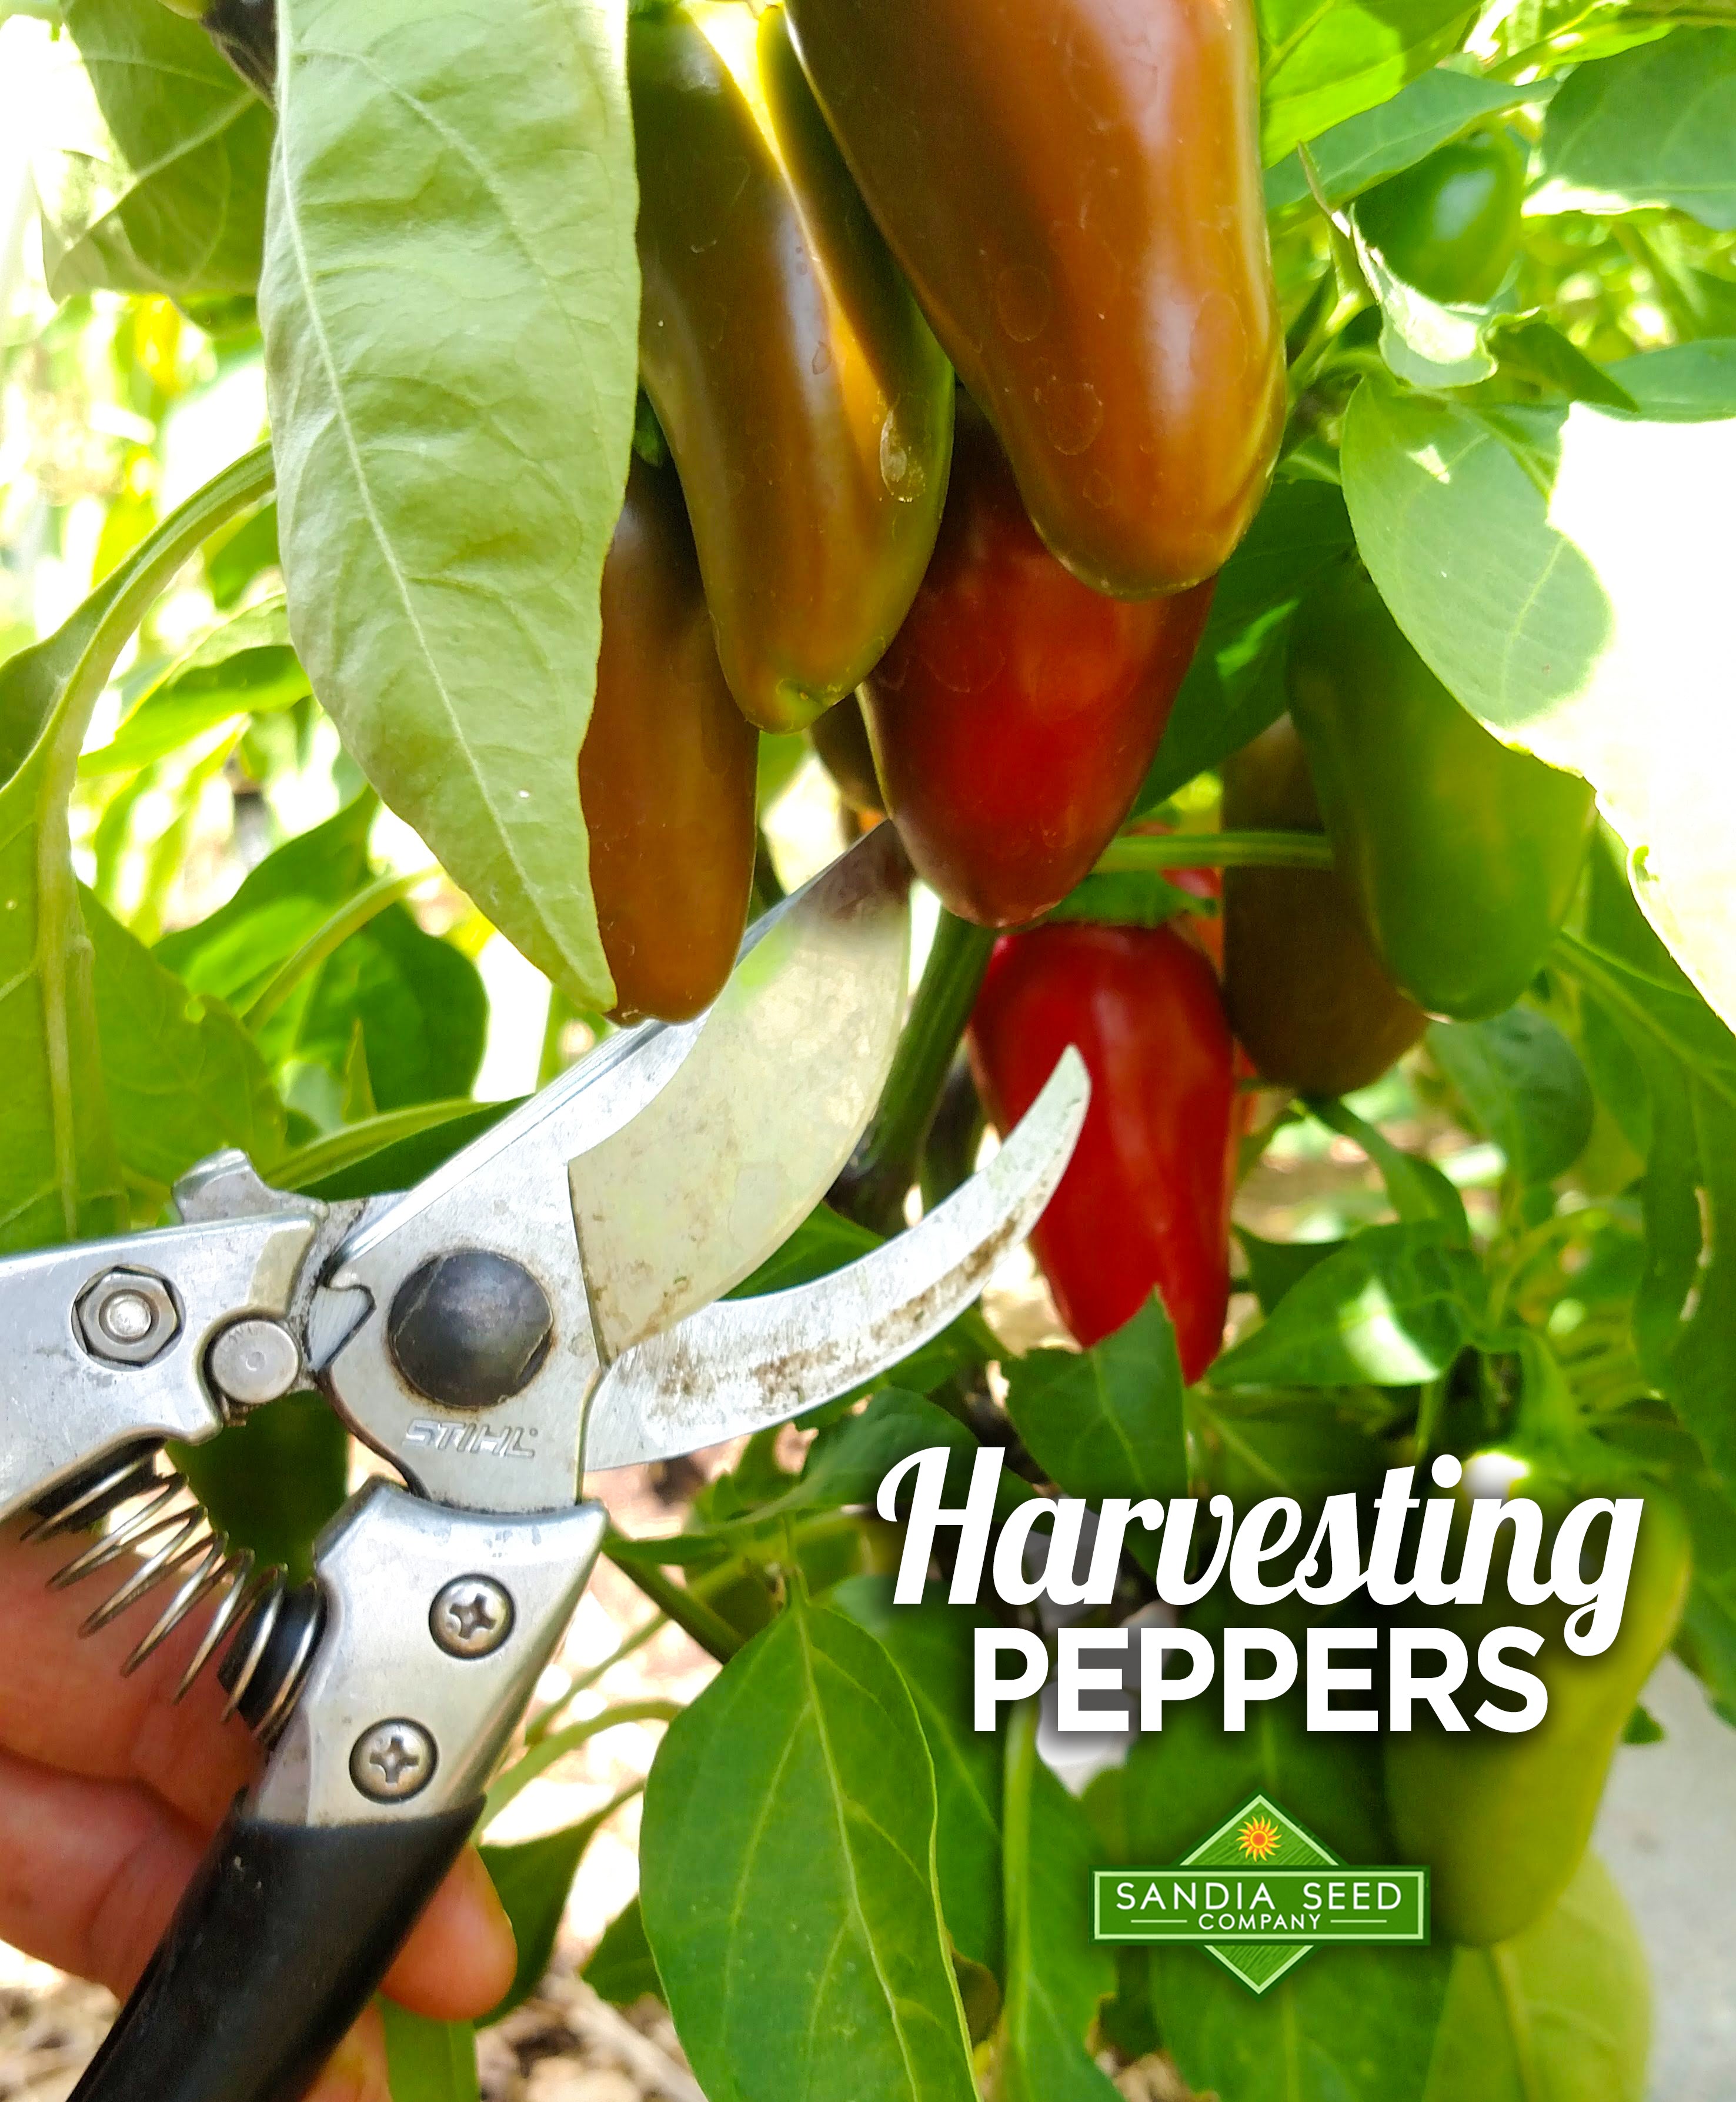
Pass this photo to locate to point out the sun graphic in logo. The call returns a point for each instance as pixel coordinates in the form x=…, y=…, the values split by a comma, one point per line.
x=1258, y=1839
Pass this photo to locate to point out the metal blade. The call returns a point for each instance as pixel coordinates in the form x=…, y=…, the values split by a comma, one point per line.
x=686, y=1200
x=743, y=1365
x=806, y=1025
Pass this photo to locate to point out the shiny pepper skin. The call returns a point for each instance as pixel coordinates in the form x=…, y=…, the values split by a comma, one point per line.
x=1450, y=225
x=1463, y=854
x=806, y=404
x=1074, y=188
x=1144, y=1204
x=1307, y=995
x=1503, y=1820
x=1015, y=716
x=667, y=772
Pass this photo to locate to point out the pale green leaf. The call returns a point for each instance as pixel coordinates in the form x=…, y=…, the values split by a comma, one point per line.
x=1431, y=113
x=451, y=349
x=1422, y=341
x=788, y=1883
x=1650, y=127
x=1565, y=572
x=1323, y=61
x=1686, y=383
x=179, y=207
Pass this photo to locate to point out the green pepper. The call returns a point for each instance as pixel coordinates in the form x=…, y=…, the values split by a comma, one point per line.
x=1308, y=999
x=666, y=772
x=807, y=405
x=1451, y=225
x=1501, y=1820
x=1074, y=187
x=1463, y=854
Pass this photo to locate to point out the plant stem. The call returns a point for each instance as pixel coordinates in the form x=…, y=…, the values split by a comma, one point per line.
x=710, y=1630
x=520, y=1775
x=1136, y=852
x=872, y=1189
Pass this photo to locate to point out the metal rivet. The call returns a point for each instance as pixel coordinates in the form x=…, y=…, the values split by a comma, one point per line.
x=128, y=1316
x=469, y=1328
x=393, y=1761
x=254, y=1361
x=472, y=1617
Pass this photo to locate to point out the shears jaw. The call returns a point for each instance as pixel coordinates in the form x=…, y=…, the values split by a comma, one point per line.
x=741, y=1365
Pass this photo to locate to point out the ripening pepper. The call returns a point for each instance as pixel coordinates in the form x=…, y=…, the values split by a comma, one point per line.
x=1308, y=999
x=807, y=405
x=1015, y=715
x=1145, y=1203
x=666, y=772
x=1074, y=188
x=1450, y=225
x=1463, y=854
x=1503, y=1820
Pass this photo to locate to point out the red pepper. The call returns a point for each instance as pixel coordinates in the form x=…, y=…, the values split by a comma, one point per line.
x=1144, y=1204
x=1015, y=715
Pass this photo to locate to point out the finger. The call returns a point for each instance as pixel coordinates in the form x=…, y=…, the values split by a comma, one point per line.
x=357, y=2071
x=64, y=1702
x=89, y=1870
x=461, y=1958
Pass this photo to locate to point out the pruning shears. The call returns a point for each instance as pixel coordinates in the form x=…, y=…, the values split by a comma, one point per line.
x=547, y=1303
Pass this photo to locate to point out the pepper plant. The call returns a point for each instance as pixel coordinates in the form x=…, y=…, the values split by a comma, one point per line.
x=1435, y=814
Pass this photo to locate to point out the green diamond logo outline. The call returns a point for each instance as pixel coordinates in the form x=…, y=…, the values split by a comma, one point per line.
x=1260, y=1965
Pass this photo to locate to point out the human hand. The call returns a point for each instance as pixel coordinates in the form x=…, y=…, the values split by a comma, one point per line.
x=108, y=1795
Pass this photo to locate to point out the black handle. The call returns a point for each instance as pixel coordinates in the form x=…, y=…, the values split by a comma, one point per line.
x=277, y=1946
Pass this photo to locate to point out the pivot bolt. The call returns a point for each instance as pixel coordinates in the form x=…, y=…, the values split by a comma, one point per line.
x=127, y=1317
x=393, y=1761
x=469, y=1328
x=254, y=1361
x=472, y=1617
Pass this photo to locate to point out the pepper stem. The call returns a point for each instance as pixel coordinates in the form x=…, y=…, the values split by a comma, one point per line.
x=873, y=1186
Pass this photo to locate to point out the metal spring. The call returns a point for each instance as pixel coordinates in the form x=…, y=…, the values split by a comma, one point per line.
x=170, y=1531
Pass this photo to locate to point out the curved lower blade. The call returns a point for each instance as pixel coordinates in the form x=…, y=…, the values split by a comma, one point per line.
x=743, y=1365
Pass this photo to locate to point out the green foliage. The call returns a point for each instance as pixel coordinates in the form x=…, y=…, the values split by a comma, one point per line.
x=1107, y=1422
x=788, y=1876
x=1540, y=487
x=182, y=208
x=446, y=493
x=1650, y=127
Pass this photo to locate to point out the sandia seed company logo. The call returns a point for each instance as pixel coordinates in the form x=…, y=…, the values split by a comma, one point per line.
x=1260, y=1893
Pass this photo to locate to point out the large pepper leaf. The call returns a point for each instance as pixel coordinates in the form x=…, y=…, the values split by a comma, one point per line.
x=1432, y=111
x=1106, y=1421
x=1323, y=61
x=60, y=1172
x=1652, y=126
x=182, y=1077
x=180, y=206
x=1523, y=1081
x=1565, y=572
x=933, y=1646
x=449, y=298
x=1394, y=1306
x=787, y=1879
